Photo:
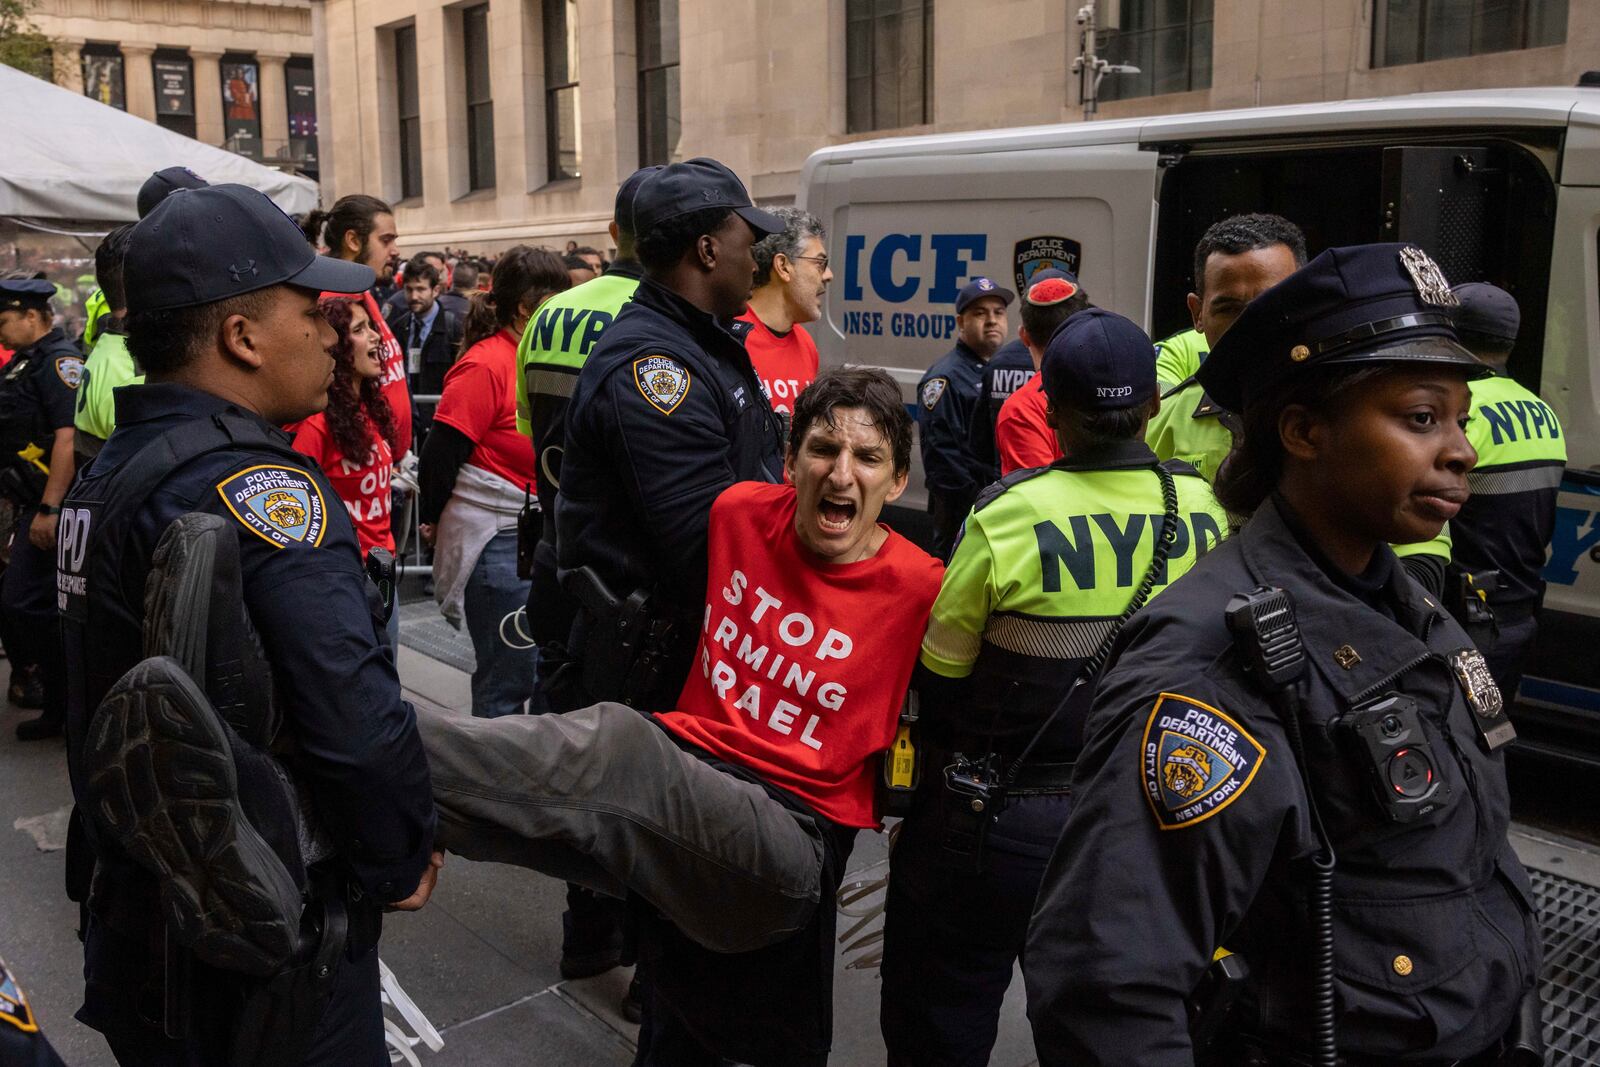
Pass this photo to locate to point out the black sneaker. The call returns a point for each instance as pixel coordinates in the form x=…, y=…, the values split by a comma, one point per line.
x=162, y=785
x=633, y=1003
x=27, y=688
x=194, y=612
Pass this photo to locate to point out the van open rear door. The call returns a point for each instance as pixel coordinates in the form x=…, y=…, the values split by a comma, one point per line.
x=907, y=230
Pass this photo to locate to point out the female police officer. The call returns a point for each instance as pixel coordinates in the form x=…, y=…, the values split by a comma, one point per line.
x=1194, y=831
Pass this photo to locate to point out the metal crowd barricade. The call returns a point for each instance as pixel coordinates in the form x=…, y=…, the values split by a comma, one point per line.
x=410, y=552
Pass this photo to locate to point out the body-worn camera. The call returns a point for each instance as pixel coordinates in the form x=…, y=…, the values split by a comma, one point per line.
x=1389, y=738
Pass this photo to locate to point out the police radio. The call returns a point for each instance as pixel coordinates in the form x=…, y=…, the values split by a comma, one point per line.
x=1389, y=738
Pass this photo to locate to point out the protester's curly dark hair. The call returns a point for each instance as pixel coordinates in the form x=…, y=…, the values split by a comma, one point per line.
x=352, y=400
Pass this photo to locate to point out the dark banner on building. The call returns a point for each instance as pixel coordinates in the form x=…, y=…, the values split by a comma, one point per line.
x=102, y=79
x=302, y=89
x=174, y=87
x=241, y=105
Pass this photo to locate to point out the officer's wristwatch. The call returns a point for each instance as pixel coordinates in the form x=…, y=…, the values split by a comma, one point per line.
x=48, y=509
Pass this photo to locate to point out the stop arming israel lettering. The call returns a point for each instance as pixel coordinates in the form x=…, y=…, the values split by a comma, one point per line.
x=794, y=629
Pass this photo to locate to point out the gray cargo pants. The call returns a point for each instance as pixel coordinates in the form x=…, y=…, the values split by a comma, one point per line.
x=602, y=797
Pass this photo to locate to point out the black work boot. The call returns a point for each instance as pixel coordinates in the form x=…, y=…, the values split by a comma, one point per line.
x=162, y=784
x=45, y=726
x=27, y=687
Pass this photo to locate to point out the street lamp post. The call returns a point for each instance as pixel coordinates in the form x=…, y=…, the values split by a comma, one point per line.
x=1089, y=67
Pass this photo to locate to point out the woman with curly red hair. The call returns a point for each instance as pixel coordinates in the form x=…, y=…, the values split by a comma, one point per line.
x=354, y=437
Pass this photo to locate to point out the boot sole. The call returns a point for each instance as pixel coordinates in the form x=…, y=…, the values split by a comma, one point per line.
x=161, y=783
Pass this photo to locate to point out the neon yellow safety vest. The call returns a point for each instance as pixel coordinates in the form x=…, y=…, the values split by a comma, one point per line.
x=1047, y=561
x=109, y=366
x=1190, y=427
x=1178, y=357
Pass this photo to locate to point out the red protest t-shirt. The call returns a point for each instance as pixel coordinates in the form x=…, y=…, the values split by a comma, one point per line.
x=785, y=363
x=393, y=361
x=1021, y=435
x=480, y=400
x=363, y=486
x=802, y=665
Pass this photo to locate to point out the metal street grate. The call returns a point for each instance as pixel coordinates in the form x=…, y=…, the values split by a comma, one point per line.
x=1569, y=919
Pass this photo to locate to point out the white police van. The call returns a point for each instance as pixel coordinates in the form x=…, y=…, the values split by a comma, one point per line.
x=1498, y=185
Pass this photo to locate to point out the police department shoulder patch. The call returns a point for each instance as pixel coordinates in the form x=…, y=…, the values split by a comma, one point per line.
x=1196, y=761
x=662, y=381
x=281, y=505
x=70, y=370
x=14, y=1007
x=932, y=390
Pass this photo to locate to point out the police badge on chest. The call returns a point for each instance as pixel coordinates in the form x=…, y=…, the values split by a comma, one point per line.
x=1483, y=699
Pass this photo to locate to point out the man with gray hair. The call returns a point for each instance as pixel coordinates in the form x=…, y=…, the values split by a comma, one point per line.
x=791, y=276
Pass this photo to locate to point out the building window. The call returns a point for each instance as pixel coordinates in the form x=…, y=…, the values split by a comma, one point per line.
x=1168, y=40
x=241, y=105
x=480, y=106
x=1415, y=31
x=103, y=75
x=888, y=64
x=660, y=125
x=174, y=77
x=561, y=133
x=410, y=111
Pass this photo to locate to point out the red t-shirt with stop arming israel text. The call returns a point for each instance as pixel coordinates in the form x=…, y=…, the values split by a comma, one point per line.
x=802, y=665
x=392, y=358
x=363, y=485
x=785, y=362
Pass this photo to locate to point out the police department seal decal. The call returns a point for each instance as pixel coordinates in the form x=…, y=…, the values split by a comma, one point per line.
x=70, y=370
x=662, y=381
x=1034, y=254
x=1196, y=760
x=932, y=390
x=281, y=505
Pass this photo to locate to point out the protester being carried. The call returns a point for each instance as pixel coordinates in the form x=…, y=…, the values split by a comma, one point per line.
x=733, y=815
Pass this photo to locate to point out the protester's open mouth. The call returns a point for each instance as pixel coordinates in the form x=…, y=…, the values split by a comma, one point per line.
x=836, y=513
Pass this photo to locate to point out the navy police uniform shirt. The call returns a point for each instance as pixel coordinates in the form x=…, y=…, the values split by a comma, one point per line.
x=38, y=392
x=666, y=414
x=355, y=738
x=947, y=398
x=1191, y=831
x=1009, y=369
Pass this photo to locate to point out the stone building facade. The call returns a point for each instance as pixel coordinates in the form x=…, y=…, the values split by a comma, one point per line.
x=491, y=123
x=235, y=73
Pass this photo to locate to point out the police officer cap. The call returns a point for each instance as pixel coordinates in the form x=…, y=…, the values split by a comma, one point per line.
x=163, y=182
x=696, y=185
x=626, y=192
x=1489, y=310
x=1378, y=303
x=1098, y=361
x=23, y=294
x=977, y=289
x=203, y=245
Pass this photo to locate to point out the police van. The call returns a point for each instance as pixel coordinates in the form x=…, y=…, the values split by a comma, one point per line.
x=1500, y=186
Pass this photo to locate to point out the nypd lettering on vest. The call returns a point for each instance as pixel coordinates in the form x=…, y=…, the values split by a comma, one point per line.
x=1034, y=254
x=72, y=549
x=662, y=381
x=1196, y=760
x=281, y=505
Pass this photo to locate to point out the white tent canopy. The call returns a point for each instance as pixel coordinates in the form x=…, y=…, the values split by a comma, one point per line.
x=65, y=156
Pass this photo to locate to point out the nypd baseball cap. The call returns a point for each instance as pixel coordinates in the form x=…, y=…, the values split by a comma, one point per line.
x=23, y=294
x=1488, y=310
x=977, y=289
x=1098, y=361
x=627, y=192
x=159, y=185
x=696, y=185
x=203, y=245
